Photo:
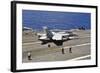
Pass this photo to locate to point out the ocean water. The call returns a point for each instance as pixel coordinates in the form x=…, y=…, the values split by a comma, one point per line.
x=55, y=20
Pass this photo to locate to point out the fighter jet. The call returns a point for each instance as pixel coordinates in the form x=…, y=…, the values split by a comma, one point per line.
x=57, y=37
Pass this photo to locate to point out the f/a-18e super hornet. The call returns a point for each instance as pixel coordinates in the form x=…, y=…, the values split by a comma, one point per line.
x=57, y=37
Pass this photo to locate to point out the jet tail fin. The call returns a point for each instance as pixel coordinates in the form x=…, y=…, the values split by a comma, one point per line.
x=48, y=32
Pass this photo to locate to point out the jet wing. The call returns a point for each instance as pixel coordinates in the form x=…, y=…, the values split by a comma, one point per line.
x=57, y=37
x=44, y=38
x=60, y=36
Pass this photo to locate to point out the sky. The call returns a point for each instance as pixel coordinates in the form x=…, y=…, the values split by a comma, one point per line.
x=55, y=20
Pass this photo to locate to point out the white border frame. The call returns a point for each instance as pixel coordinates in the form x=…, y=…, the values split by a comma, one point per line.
x=38, y=65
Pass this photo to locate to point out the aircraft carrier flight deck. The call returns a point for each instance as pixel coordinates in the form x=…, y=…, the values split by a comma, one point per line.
x=80, y=48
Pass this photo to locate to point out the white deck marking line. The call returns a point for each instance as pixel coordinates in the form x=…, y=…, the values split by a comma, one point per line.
x=31, y=43
x=82, y=57
x=78, y=45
